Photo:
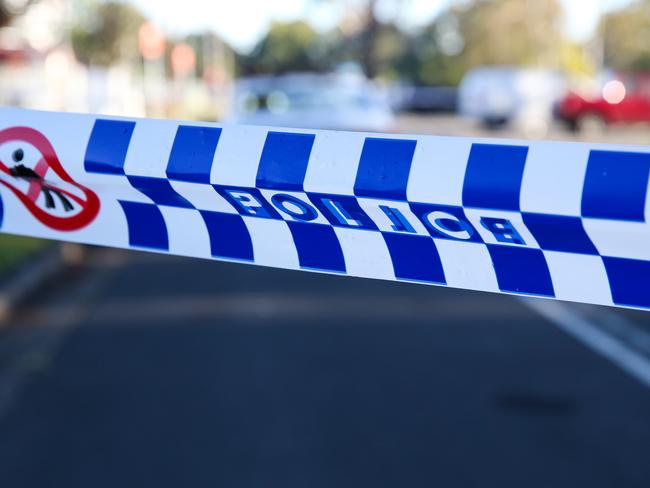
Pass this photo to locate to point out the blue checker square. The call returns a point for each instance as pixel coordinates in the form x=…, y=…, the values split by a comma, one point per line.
x=318, y=247
x=559, y=233
x=192, y=153
x=415, y=258
x=146, y=225
x=159, y=190
x=284, y=160
x=521, y=270
x=229, y=236
x=629, y=281
x=384, y=168
x=107, y=146
x=493, y=176
x=615, y=186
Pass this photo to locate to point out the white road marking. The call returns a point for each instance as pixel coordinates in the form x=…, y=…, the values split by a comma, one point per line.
x=570, y=321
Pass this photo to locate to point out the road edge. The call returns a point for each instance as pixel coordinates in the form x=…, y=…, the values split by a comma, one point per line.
x=28, y=277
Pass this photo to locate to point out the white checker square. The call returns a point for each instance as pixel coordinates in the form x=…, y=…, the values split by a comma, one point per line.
x=333, y=162
x=202, y=196
x=150, y=147
x=186, y=230
x=619, y=239
x=110, y=227
x=366, y=254
x=579, y=277
x=237, y=156
x=467, y=265
x=438, y=170
x=115, y=187
x=272, y=243
x=553, y=178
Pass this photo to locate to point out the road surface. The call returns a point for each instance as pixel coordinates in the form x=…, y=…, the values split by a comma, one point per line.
x=148, y=370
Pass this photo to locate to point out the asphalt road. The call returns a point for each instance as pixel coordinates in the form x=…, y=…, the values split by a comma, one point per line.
x=148, y=370
x=137, y=369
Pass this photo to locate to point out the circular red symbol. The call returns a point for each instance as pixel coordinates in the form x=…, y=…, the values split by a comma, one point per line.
x=37, y=178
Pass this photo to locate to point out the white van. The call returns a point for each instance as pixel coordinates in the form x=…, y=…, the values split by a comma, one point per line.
x=499, y=95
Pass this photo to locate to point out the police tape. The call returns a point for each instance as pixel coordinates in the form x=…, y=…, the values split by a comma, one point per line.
x=562, y=220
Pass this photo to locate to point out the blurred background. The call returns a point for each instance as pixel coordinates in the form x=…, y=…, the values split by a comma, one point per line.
x=113, y=374
x=538, y=67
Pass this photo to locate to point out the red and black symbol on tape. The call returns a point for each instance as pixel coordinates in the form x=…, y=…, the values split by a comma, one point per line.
x=31, y=170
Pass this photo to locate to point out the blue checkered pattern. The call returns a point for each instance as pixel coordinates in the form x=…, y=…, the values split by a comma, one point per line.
x=544, y=219
x=526, y=251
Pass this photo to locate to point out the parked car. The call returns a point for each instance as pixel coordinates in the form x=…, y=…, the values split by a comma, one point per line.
x=341, y=101
x=499, y=95
x=611, y=98
x=425, y=99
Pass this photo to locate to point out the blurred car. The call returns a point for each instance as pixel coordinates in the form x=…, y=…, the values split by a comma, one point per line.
x=611, y=98
x=340, y=101
x=426, y=99
x=499, y=95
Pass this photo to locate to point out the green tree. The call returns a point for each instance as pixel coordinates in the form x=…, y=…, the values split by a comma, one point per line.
x=468, y=34
x=107, y=33
x=287, y=46
x=520, y=32
x=625, y=37
x=437, y=50
x=478, y=32
x=387, y=55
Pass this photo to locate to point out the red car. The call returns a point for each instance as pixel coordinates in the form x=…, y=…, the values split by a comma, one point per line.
x=621, y=98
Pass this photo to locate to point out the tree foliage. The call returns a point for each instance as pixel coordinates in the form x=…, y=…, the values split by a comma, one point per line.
x=108, y=33
x=521, y=32
x=467, y=34
x=288, y=46
x=516, y=32
x=626, y=37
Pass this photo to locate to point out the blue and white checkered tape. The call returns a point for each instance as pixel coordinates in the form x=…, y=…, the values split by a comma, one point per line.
x=551, y=219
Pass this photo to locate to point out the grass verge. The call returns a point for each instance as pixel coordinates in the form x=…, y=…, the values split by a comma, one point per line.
x=16, y=249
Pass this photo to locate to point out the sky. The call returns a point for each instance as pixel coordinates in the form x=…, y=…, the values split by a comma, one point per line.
x=243, y=22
